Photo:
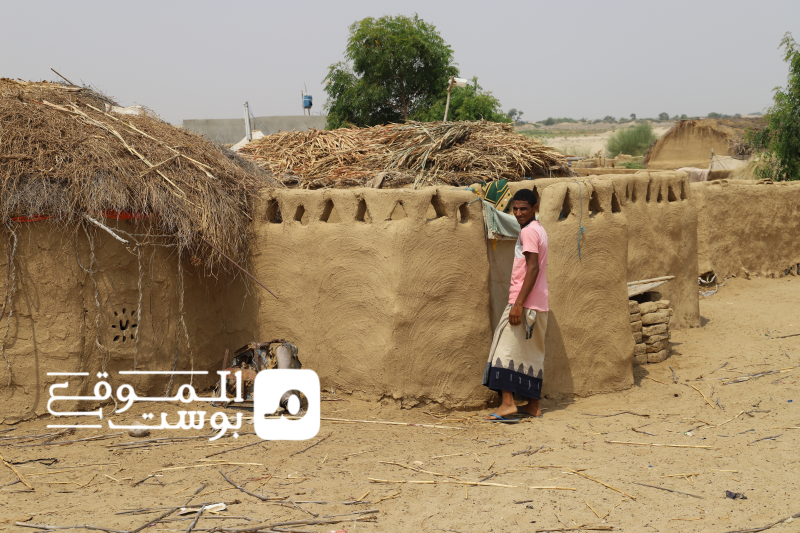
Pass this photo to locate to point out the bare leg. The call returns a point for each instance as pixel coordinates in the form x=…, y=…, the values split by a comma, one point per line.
x=508, y=407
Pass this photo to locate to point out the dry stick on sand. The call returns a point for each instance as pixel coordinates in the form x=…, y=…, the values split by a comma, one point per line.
x=748, y=377
x=669, y=490
x=616, y=414
x=674, y=375
x=239, y=448
x=169, y=512
x=19, y=476
x=579, y=528
x=471, y=483
x=392, y=423
x=306, y=449
x=658, y=445
x=766, y=438
x=703, y=395
x=764, y=528
x=330, y=519
x=604, y=484
x=253, y=494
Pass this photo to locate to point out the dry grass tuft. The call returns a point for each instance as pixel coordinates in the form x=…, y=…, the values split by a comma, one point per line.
x=62, y=155
x=430, y=153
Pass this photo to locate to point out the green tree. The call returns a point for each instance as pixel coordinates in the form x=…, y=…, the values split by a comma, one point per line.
x=631, y=141
x=633, y=116
x=780, y=140
x=663, y=116
x=468, y=103
x=395, y=66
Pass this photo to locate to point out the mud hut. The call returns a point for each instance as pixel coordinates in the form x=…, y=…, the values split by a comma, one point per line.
x=117, y=232
x=690, y=143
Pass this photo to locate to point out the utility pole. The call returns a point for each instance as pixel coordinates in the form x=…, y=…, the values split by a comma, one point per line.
x=247, y=132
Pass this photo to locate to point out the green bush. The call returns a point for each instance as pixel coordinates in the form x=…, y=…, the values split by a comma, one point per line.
x=631, y=141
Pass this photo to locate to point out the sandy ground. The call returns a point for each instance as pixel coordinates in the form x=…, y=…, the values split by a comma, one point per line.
x=719, y=450
x=584, y=140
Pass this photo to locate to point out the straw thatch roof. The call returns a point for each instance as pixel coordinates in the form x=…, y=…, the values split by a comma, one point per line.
x=690, y=139
x=430, y=153
x=67, y=155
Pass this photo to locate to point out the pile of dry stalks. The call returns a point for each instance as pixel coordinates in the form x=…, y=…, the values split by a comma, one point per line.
x=430, y=153
x=64, y=156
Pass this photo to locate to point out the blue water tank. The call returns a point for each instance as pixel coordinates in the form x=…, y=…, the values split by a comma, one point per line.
x=307, y=101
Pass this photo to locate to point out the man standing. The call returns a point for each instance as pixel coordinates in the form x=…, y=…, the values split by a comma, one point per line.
x=516, y=359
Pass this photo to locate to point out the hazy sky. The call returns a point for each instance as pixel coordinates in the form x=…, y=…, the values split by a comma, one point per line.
x=203, y=59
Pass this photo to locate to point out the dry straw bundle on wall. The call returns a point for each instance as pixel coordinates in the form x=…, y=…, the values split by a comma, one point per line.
x=431, y=153
x=63, y=155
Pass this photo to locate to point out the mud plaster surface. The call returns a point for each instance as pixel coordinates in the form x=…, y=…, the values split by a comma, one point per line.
x=56, y=309
x=735, y=321
x=747, y=226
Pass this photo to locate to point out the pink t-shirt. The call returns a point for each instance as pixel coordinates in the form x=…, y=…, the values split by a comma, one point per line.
x=533, y=239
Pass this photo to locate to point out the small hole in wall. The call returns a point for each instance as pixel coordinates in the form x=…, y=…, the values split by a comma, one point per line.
x=398, y=212
x=633, y=192
x=615, y=207
x=566, y=207
x=647, y=199
x=274, y=211
x=463, y=213
x=362, y=214
x=671, y=195
x=594, y=204
x=683, y=191
x=299, y=214
x=329, y=213
x=124, y=325
x=436, y=209
x=660, y=196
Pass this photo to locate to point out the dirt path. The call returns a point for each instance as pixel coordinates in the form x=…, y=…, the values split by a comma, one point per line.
x=722, y=451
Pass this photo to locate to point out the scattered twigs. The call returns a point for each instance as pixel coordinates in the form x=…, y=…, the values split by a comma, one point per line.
x=763, y=528
x=748, y=377
x=415, y=469
x=658, y=445
x=787, y=336
x=669, y=490
x=391, y=423
x=196, y=518
x=471, y=483
x=617, y=414
x=657, y=381
x=674, y=375
x=330, y=519
x=637, y=430
x=578, y=528
x=720, y=368
x=253, y=494
x=83, y=526
x=772, y=437
x=306, y=449
x=238, y=448
x=602, y=483
x=526, y=450
x=167, y=513
x=703, y=395
x=60, y=442
x=16, y=472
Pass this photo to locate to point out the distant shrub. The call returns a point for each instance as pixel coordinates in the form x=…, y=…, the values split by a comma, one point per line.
x=631, y=141
x=550, y=121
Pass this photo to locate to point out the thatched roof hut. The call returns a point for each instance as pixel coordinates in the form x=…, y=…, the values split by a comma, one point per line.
x=689, y=143
x=429, y=153
x=68, y=154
